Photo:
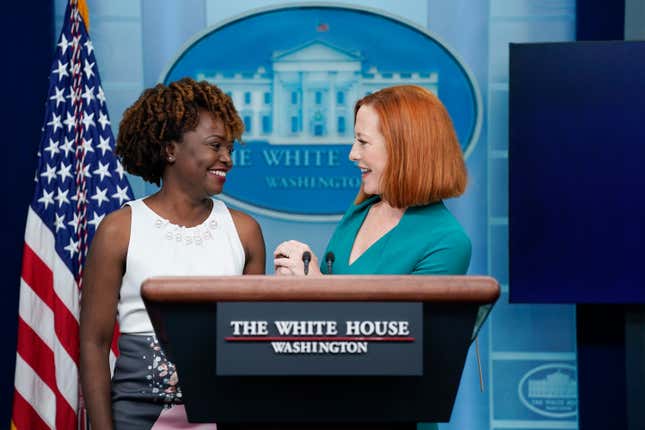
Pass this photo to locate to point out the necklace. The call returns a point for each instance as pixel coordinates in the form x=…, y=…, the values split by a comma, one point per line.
x=196, y=235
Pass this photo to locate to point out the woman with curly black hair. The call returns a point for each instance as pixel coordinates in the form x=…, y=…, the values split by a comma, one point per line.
x=180, y=136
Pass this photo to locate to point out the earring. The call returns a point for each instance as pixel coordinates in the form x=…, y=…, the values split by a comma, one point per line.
x=171, y=158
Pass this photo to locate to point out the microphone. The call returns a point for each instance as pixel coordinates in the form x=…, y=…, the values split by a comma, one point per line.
x=306, y=258
x=329, y=259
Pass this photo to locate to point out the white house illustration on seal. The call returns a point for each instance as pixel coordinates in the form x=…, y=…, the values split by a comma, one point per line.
x=307, y=98
x=554, y=385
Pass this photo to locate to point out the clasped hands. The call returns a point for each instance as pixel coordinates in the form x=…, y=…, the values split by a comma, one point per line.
x=287, y=259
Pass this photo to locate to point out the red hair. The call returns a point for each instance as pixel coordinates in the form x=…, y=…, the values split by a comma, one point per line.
x=424, y=160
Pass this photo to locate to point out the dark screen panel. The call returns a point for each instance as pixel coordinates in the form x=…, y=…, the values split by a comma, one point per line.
x=600, y=19
x=577, y=172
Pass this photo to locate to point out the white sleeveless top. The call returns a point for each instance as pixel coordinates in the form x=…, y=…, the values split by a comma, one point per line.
x=159, y=248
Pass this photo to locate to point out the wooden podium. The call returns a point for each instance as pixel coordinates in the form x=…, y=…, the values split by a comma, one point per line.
x=335, y=369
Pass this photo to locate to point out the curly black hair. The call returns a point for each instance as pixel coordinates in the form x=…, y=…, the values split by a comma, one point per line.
x=163, y=114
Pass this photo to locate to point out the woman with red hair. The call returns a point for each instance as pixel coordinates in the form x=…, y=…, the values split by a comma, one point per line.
x=410, y=160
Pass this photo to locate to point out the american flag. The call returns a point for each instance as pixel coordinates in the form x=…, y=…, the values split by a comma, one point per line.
x=78, y=181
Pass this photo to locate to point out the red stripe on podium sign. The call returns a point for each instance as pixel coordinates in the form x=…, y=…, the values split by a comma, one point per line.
x=318, y=339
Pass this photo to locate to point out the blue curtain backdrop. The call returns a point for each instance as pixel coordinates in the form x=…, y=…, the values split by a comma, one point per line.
x=528, y=351
x=25, y=87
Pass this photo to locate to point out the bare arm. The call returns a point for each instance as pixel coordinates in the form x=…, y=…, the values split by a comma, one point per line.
x=253, y=242
x=104, y=270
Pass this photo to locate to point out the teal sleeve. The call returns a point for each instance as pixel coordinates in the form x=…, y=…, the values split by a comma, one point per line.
x=451, y=256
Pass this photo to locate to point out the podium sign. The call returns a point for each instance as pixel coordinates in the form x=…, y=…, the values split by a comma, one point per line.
x=313, y=338
x=199, y=322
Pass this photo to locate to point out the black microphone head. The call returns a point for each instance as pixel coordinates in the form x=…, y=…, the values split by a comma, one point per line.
x=330, y=257
x=306, y=256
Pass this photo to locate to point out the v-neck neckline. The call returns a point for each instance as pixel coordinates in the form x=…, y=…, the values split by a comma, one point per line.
x=377, y=241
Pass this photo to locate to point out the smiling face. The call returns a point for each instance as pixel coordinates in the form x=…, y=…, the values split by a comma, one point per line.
x=368, y=150
x=202, y=159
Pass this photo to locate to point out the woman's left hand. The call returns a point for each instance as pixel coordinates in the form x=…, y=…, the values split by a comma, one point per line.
x=287, y=259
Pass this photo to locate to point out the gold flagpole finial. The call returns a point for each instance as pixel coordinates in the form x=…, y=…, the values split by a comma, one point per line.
x=85, y=13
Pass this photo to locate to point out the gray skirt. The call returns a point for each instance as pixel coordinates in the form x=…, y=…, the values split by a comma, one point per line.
x=144, y=383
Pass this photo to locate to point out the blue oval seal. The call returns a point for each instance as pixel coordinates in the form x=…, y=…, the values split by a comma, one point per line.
x=294, y=74
x=550, y=390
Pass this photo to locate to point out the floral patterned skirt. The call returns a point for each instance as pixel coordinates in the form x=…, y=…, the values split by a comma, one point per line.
x=145, y=388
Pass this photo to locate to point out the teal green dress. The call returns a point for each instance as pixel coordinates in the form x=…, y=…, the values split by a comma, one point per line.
x=428, y=240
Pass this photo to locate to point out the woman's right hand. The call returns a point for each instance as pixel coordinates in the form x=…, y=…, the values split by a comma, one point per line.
x=287, y=259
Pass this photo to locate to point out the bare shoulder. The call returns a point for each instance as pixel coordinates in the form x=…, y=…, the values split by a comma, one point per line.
x=115, y=228
x=248, y=229
x=252, y=240
x=244, y=222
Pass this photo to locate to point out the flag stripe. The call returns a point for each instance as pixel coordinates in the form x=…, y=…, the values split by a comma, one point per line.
x=113, y=356
x=36, y=354
x=39, y=357
x=35, y=392
x=25, y=416
x=38, y=276
x=41, y=241
x=114, y=350
x=115, y=340
x=40, y=318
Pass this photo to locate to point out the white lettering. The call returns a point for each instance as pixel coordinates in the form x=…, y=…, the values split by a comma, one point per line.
x=351, y=328
x=319, y=347
x=404, y=329
x=272, y=158
x=301, y=157
x=249, y=328
x=313, y=182
x=377, y=328
x=236, y=327
x=279, y=347
x=284, y=327
x=241, y=158
x=306, y=328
